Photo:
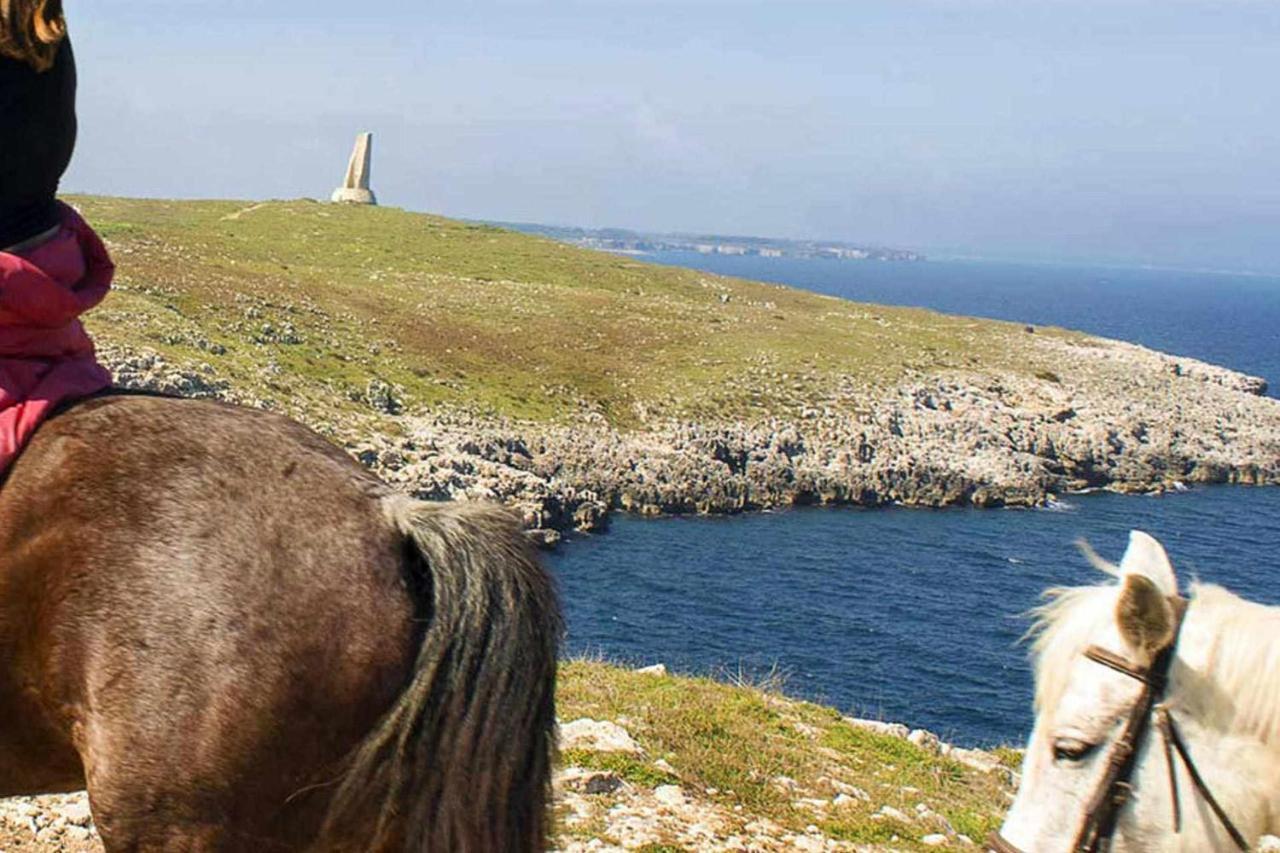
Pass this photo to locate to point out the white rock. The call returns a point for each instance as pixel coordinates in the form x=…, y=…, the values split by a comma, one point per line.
x=977, y=759
x=665, y=766
x=597, y=735
x=806, y=844
x=935, y=840
x=656, y=669
x=807, y=730
x=925, y=740
x=77, y=813
x=669, y=795
x=850, y=790
x=877, y=726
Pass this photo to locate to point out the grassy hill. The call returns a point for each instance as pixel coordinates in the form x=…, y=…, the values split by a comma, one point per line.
x=302, y=304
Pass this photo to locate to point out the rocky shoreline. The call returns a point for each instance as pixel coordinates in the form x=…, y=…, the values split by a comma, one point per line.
x=1114, y=416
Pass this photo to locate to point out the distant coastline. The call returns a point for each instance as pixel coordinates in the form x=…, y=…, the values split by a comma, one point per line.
x=626, y=242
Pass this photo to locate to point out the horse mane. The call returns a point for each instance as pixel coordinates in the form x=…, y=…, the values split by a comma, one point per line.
x=1243, y=662
x=1062, y=628
x=1241, y=666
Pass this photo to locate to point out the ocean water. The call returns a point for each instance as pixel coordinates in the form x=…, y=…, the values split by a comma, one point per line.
x=914, y=615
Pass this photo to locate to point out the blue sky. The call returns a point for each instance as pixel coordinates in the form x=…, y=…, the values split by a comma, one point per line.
x=1123, y=131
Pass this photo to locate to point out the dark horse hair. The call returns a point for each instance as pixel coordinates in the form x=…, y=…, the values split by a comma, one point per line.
x=239, y=639
x=468, y=694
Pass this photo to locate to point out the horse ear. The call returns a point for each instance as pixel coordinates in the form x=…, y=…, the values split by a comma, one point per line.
x=1145, y=556
x=1145, y=617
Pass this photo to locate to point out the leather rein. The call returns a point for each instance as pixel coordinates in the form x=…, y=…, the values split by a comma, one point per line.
x=1116, y=788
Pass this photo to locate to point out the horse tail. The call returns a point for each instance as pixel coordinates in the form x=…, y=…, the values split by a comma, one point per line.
x=462, y=761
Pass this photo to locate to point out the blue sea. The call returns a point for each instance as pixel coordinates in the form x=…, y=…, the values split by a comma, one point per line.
x=915, y=615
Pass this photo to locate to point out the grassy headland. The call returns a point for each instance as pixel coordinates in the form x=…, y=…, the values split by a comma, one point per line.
x=303, y=303
x=461, y=360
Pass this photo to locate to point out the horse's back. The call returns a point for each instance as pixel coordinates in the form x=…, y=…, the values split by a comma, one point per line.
x=185, y=588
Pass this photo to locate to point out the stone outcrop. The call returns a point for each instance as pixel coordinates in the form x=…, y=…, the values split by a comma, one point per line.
x=1114, y=416
x=356, y=189
x=1120, y=417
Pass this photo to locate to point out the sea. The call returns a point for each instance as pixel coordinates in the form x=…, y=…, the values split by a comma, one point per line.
x=918, y=616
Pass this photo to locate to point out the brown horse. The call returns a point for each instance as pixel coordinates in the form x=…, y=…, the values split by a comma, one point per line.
x=238, y=639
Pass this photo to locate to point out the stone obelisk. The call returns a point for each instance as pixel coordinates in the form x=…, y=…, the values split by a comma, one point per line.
x=355, y=190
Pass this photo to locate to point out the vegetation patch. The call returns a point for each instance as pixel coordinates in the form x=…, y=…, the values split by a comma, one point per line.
x=626, y=767
x=793, y=763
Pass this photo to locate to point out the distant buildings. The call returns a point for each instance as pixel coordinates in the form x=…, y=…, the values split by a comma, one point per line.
x=632, y=243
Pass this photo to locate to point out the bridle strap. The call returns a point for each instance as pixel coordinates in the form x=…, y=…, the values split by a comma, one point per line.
x=1113, y=793
x=1110, y=659
x=1165, y=722
x=1175, y=737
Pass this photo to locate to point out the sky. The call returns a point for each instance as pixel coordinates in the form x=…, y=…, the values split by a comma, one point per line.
x=1117, y=131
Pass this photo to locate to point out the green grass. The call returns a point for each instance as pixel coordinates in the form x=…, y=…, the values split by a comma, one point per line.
x=1009, y=756
x=497, y=322
x=735, y=743
x=627, y=767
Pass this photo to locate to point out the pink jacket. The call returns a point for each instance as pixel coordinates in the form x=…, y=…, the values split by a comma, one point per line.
x=46, y=356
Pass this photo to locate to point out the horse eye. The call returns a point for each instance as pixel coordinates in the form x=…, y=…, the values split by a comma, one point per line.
x=1070, y=749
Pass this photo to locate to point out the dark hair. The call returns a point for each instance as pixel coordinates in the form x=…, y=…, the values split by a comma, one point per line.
x=31, y=30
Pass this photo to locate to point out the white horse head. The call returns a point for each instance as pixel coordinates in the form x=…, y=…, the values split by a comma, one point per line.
x=1223, y=694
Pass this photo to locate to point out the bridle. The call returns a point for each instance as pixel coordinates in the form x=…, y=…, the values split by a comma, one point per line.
x=1116, y=788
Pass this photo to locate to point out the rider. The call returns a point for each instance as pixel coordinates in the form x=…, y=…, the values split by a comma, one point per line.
x=53, y=267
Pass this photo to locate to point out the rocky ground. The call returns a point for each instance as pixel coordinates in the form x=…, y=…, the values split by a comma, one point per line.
x=1116, y=416
x=618, y=815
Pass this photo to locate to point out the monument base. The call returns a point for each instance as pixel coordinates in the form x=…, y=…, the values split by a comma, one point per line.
x=350, y=195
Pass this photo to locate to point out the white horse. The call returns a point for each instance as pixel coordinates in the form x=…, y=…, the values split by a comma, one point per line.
x=1101, y=653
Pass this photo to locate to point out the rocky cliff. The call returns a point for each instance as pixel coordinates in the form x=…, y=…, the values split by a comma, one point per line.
x=1117, y=417
x=465, y=361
